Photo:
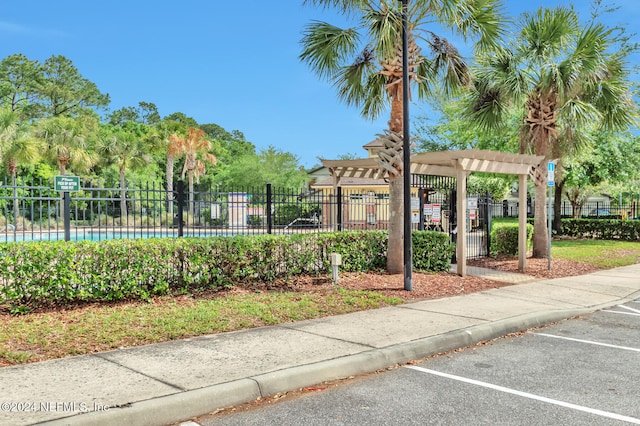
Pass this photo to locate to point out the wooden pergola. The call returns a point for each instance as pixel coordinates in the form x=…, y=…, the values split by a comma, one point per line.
x=458, y=164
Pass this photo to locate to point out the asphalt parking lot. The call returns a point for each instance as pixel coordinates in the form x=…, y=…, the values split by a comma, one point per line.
x=582, y=371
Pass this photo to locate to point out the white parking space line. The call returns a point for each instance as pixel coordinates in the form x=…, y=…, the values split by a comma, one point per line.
x=619, y=312
x=629, y=309
x=529, y=395
x=626, y=348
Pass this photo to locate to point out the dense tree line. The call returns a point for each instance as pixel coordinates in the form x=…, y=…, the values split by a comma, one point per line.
x=55, y=121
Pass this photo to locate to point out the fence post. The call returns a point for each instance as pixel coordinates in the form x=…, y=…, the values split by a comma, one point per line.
x=453, y=220
x=421, y=207
x=488, y=213
x=269, y=206
x=180, y=214
x=339, y=208
x=66, y=205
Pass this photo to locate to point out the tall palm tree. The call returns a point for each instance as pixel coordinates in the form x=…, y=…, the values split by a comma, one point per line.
x=196, y=149
x=17, y=146
x=365, y=65
x=66, y=144
x=164, y=132
x=125, y=149
x=564, y=78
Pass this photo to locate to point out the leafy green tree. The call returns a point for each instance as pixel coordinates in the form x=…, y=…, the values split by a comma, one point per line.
x=364, y=63
x=279, y=168
x=21, y=82
x=145, y=112
x=233, y=145
x=563, y=77
x=182, y=118
x=65, y=92
x=453, y=130
x=613, y=158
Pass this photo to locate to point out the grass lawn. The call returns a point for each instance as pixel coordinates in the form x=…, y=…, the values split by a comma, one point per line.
x=102, y=327
x=599, y=253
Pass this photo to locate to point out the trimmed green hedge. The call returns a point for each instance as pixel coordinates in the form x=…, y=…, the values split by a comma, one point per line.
x=602, y=229
x=37, y=273
x=504, y=238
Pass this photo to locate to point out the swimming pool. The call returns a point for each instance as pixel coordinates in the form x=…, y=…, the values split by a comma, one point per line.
x=103, y=235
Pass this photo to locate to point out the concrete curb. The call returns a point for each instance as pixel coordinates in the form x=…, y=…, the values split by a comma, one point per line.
x=184, y=405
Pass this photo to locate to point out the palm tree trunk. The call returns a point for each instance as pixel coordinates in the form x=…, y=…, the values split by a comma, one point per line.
x=123, y=199
x=557, y=207
x=395, y=247
x=191, y=204
x=169, y=176
x=62, y=168
x=16, y=205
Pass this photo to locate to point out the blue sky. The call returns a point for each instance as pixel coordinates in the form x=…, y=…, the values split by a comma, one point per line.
x=215, y=61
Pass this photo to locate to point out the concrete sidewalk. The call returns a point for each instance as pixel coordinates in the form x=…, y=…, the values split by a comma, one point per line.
x=169, y=382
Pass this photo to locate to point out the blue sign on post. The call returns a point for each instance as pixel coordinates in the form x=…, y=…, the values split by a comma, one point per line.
x=551, y=173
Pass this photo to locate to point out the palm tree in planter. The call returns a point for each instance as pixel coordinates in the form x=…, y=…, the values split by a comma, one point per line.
x=565, y=79
x=364, y=63
x=17, y=146
x=195, y=147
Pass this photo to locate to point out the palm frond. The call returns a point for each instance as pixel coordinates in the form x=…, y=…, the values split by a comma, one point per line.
x=374, y=100
x=545, y=33
x=486, y=105
x=447, y=63
x=385, y=29
x=343, y=6
x=326, y=47
x=482, y=18
x=351, y=81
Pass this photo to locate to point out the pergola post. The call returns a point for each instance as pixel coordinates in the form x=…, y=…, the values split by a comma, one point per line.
x=522, y=222
x=461, y=211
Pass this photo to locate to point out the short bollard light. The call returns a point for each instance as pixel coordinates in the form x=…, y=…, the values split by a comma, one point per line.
x=336, y=260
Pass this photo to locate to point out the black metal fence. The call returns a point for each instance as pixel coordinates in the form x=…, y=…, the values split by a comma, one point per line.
x=99, y=211
x=605, y=209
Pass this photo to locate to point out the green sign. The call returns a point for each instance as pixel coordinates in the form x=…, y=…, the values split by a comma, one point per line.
x=66, y=183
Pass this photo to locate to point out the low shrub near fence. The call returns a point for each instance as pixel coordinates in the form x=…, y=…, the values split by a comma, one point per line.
x=607, y=229
x=34, y=274
x=504, y=238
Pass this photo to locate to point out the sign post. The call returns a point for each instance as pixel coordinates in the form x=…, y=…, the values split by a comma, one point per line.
x=66, y=184
x=551, y=181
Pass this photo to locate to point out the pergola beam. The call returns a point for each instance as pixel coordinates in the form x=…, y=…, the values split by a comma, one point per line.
x=458, y=164
x=522, y=222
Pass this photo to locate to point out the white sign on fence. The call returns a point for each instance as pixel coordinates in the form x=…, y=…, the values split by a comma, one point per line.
x=472, y=203
x=435, y=218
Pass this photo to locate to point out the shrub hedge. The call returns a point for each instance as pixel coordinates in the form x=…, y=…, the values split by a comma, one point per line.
x=33, y=274
x=602, y=229
x=504, y=238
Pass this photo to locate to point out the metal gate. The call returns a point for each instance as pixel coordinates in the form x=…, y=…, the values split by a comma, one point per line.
x=478, y=226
